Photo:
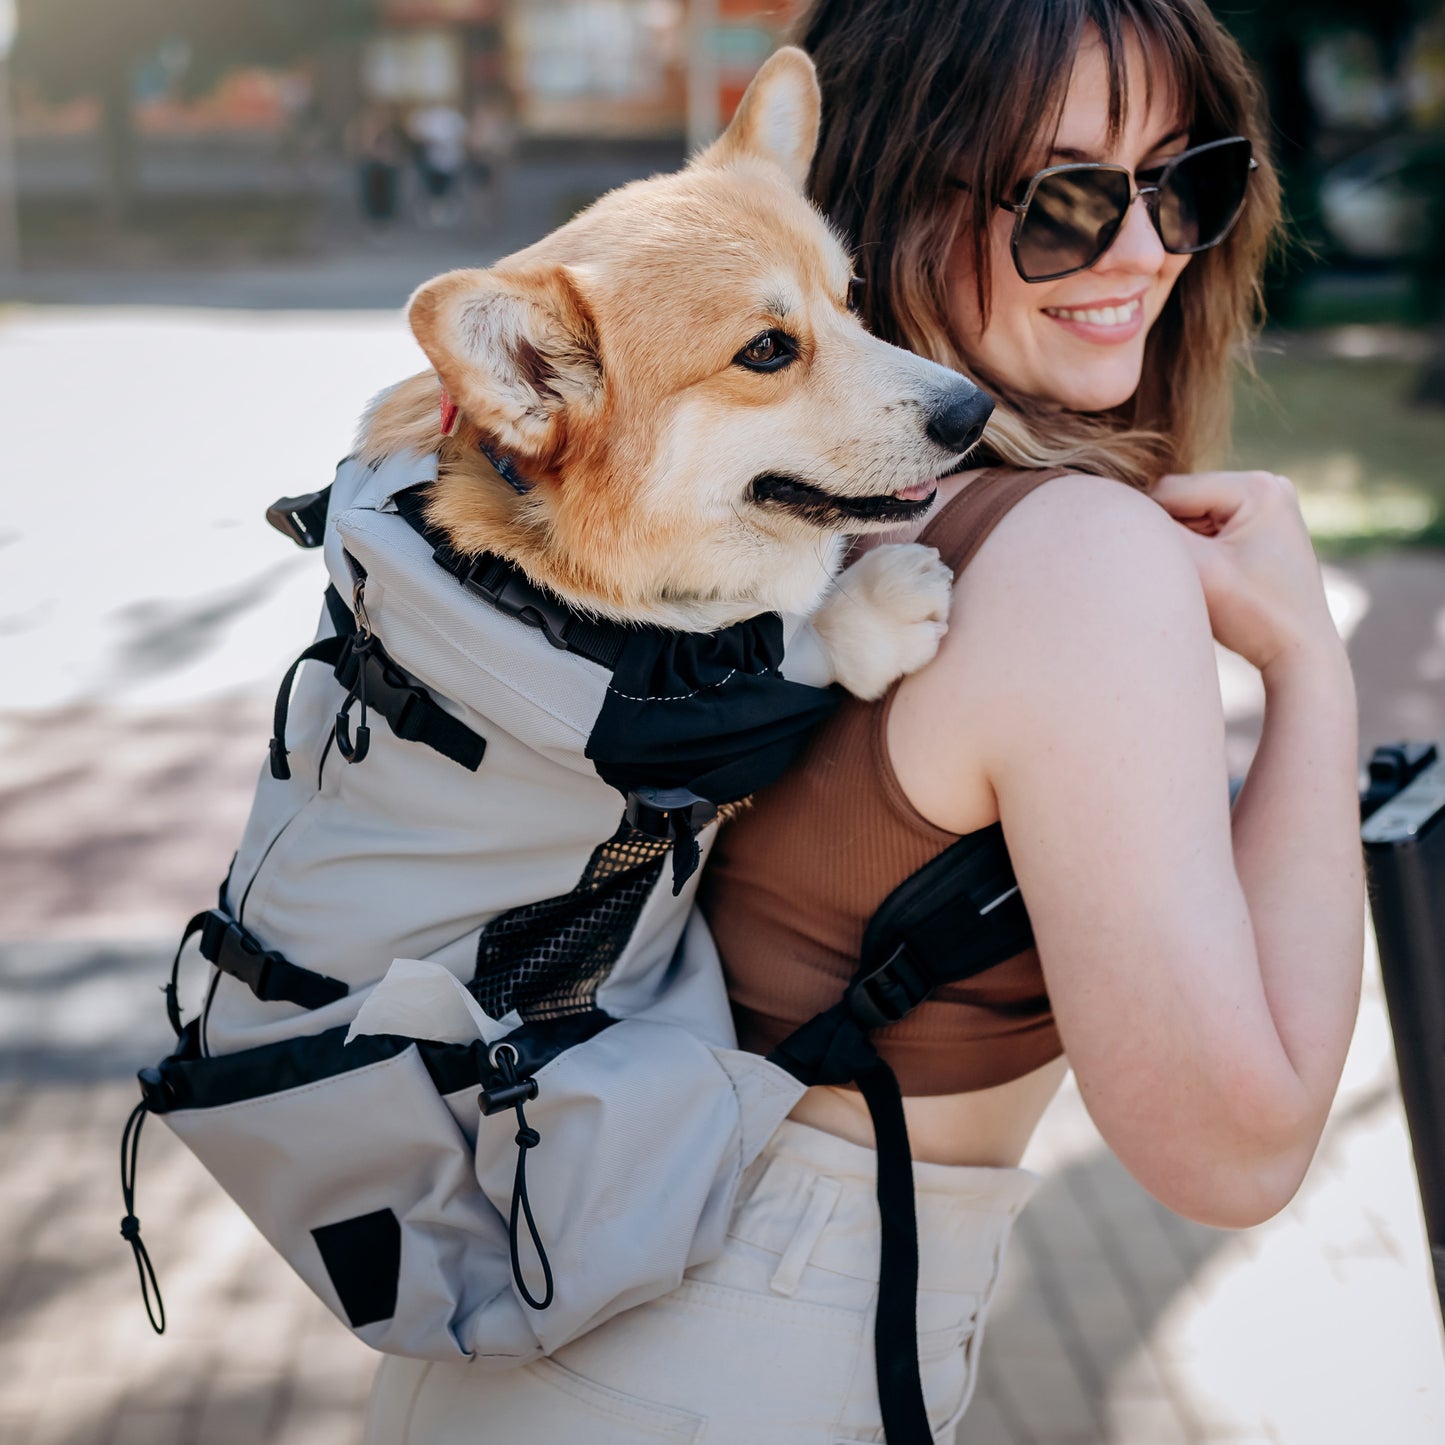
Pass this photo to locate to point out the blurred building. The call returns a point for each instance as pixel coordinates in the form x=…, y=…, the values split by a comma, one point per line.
x=611, y=69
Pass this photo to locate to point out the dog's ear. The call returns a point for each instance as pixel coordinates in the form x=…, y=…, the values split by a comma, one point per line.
x=777, y=118
x=515, y=350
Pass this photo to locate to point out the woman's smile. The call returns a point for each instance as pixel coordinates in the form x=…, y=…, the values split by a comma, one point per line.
x=1106, y=323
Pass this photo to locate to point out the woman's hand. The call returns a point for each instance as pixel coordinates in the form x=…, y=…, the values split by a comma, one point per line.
x=1254, y=557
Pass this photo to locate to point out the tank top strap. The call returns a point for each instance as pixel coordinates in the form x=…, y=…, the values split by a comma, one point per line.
x=959, y=530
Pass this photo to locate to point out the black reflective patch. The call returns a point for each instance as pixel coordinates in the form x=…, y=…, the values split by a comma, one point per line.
x=363, y=1258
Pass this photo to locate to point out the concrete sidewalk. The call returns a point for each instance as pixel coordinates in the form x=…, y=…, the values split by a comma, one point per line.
x=145, y=618
x=1116, y=1320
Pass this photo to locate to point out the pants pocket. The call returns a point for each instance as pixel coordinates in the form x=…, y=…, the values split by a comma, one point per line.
x=948, y=1367
x=542, y=1401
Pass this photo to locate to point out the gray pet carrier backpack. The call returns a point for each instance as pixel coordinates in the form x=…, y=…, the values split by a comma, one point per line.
x=464, y=1057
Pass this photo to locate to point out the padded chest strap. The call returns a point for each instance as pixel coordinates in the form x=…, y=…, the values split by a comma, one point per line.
x=956, y=917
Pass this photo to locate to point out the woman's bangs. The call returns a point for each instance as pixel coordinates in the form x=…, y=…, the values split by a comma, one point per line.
x=1177, y=62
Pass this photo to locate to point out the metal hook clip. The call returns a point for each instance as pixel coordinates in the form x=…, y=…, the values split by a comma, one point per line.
x=358, y=610
x=355, y=751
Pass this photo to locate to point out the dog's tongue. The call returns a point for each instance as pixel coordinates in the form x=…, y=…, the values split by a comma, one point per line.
x=918, y=492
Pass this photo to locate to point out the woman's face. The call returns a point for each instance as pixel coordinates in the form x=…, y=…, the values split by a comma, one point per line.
x=1079, y=341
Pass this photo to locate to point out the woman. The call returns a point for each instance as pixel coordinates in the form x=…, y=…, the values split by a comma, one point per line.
x=1199, y=968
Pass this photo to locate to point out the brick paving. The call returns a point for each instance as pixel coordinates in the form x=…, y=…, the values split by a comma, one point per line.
x=121, y=795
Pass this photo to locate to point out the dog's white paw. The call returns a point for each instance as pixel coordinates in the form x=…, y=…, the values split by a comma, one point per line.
x=885, y=616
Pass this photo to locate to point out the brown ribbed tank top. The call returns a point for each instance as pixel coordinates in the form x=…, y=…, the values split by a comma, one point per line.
x=794, y=879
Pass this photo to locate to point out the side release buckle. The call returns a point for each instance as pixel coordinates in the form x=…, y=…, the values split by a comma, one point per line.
x=509, y=591
x=302, y=518
x=652, y=811
x=234, y=951
x=892, y=990
x=272, y=977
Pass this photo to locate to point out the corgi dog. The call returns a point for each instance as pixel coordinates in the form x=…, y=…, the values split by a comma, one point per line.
x=665, y=412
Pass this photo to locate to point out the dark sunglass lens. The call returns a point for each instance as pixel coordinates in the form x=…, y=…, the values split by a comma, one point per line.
x=1202, y=197
x=1070, y=221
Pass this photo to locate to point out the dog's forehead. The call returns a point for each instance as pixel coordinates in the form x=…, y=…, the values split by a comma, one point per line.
x=733, y=229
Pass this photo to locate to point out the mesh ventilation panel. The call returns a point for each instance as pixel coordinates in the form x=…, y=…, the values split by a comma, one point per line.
x=547, y=959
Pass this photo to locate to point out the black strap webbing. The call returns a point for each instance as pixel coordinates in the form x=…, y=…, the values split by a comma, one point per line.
x=503, y=585
x=328, y=650
x=408, y=707
x=834, y=1048
x=236, y=951
x=959, y=915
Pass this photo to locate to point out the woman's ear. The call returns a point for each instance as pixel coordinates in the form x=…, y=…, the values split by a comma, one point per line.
x=516, y=351
x=777, y=118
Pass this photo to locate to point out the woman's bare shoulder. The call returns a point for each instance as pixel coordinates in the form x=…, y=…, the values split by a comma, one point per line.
x=1079, y=562
x=1080, y=605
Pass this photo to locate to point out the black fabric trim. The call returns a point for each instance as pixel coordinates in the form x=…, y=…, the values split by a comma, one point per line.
x=363, y=1258
x=503, y=585
x=186, y=1080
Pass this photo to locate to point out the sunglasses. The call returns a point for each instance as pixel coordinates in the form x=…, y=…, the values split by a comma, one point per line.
x=1067, y=216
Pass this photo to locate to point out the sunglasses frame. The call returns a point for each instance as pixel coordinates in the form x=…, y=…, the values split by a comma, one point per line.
x=1149, y=191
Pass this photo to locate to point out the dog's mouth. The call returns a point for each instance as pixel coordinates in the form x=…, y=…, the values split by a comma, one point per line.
x=825, y=509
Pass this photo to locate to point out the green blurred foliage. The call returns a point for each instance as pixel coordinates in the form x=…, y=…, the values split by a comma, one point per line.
x=1367, y=463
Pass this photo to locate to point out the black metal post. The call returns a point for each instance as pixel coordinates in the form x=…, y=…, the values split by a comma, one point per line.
x=1404, y=840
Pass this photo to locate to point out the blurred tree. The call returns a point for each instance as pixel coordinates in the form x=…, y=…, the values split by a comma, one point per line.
x=69, y=48
x=1276, y=35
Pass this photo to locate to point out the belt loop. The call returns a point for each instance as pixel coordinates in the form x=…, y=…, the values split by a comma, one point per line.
x=816, y=1214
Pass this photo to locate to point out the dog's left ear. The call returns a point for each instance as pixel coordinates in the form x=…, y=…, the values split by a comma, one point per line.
x=777, y=118
x=516, y=351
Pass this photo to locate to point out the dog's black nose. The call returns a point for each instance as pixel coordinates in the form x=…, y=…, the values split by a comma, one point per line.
x=958, y=416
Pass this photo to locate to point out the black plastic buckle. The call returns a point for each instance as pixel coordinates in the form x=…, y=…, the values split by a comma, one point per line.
x=1393, y=768
x=893, y=989
x=390, y=693
x=651, y=810
x=302, y=518
x=513, y=594
x=227, y=944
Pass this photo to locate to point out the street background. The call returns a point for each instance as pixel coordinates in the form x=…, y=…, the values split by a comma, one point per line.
x=221, y=208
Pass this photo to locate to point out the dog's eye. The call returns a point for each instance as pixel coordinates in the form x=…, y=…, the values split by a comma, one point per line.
x=855, y=294
x=771, y=351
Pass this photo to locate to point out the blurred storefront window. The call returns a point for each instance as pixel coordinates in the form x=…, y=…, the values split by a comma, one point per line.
x=599, y=67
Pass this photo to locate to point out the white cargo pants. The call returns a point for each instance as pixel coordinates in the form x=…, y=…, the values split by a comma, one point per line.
x=770, y=1344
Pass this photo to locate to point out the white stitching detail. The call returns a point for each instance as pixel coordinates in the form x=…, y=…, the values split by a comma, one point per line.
x=677, y=697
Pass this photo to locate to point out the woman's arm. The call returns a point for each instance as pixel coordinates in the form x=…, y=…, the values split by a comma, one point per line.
x=1205, y=992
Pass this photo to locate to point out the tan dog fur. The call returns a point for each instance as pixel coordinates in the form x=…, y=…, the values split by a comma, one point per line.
x=604, y=361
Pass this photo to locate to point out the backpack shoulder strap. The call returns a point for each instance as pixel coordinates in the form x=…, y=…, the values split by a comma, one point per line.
x=956, y=916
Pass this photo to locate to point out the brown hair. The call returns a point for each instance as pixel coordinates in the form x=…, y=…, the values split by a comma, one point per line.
x=920, y=93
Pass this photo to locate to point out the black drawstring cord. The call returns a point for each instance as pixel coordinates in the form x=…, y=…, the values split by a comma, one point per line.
x=516, y=1091
x=527, y=1138
x=130, y=1225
